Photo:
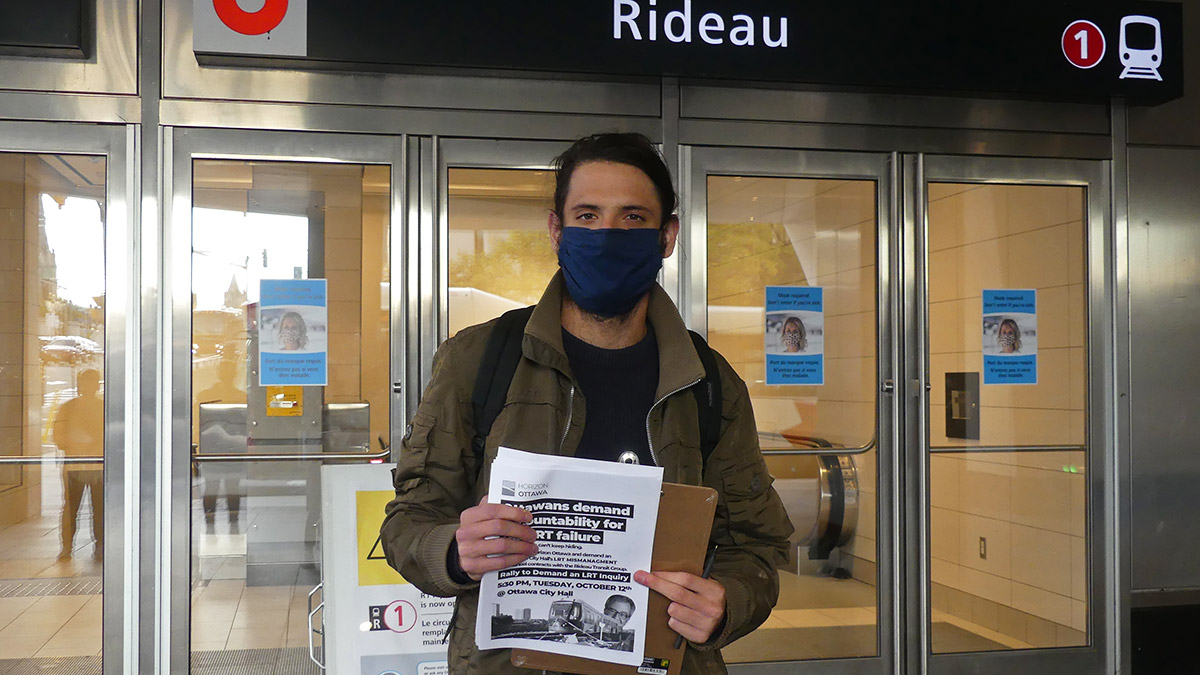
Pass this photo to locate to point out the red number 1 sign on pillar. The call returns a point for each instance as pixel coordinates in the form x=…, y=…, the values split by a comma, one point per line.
x=1083, y=44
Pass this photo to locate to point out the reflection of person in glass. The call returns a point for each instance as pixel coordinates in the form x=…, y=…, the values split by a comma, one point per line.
x=1008, y=336
x=293, y=333
x=619, y=607
x=795, y=338
x=223, y=478
x=79, y=432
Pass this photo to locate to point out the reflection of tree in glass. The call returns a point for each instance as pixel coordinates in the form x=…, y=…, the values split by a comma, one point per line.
x=744, y=257
x=517, y=267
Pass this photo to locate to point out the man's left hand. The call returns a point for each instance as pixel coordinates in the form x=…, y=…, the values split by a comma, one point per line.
x=697, y=604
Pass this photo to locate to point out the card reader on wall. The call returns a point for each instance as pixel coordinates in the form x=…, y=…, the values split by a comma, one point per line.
x=962, y=405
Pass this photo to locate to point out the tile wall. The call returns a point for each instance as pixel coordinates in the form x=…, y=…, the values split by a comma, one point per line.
x=12, y=329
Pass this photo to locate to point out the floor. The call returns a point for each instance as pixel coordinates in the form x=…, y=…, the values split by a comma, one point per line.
x=50, y=610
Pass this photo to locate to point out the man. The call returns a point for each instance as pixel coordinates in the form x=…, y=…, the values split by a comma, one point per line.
x=619, y=607
x=79, y=432
x=606, y=371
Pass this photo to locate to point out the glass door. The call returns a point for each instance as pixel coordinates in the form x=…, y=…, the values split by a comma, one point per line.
x=1013, y=256
x=487, y=214
x=283, y=257
x=788, y=271
x=65, y=269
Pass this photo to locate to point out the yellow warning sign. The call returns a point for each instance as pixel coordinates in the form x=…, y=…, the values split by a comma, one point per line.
x=285, y=401
x=373, y=569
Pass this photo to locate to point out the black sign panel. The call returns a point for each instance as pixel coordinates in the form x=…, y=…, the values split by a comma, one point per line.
x=45, y=27
x=1056, y=49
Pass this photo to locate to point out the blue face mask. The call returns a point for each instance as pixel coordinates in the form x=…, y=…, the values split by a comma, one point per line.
x=609, y=270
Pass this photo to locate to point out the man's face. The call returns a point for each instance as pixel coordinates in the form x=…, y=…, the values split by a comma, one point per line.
x=611, y=195
x=619, y=610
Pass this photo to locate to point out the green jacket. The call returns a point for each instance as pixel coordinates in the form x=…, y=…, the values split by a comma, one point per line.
x=436, y=477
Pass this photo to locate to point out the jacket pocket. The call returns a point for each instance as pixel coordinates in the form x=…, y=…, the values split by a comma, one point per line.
x=411, y=468
x=746, y=497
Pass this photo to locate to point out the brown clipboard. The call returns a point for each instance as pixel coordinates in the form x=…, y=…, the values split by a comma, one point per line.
x=685, y=516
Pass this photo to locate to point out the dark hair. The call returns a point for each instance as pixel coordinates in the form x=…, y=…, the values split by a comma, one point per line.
x=617, y=597
x=622, y=148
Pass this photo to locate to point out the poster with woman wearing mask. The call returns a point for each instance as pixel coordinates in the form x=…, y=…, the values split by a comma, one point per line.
x=1010, y=336
x=293, y=332
x=794, y=335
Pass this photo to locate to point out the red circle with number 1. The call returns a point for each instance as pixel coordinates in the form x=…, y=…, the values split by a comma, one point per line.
x=400, y=616
x=1083, y=44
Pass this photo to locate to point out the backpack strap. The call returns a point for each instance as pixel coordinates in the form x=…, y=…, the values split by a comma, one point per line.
x=708, y=398
x=496, y=370
x=503, y=352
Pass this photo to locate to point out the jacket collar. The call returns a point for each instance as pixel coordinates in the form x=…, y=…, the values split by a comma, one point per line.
x=678, y=364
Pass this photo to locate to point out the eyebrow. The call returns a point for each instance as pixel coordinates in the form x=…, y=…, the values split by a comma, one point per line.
x=595, y=207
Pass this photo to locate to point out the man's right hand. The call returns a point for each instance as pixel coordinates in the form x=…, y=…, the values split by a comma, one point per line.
x=493, y=537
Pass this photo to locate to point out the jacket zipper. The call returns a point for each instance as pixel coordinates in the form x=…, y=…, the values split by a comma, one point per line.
x=650, y=441
x=570, y=414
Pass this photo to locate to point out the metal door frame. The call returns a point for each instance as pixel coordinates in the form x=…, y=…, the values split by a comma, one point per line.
x=181, y=147
x=1094, y=176
x=696, y=165
x=437, y=156
x=116, y=143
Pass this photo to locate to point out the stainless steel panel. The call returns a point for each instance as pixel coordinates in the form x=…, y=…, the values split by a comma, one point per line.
x=402, y=291
x=1174, y=122
x=414, y=298
x=670, y=278
x=120, y=377
x=892, y=139
x=912, y=469
x=181, y=147
x=1102, y=507
x=184, y=77
x=1164, y=318
x=1120, y=634
x=112, y=69
x=775, y=103
x=414, y=121
x=69, y=108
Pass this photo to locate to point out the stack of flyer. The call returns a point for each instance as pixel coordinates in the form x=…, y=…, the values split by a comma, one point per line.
x=595, y=527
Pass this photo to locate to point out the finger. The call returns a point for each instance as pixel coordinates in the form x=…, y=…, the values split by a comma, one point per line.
x=689, y=632
x=495, y=512
x=701, y=618
x=671, y=590
x=495, y=547
x=691, y=582
x=495, y=528
x=477, y=567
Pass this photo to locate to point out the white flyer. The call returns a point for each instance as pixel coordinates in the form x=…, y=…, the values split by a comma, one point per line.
x=595, y=525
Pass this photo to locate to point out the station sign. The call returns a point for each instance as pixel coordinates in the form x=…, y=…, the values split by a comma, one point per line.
x=1061, y=49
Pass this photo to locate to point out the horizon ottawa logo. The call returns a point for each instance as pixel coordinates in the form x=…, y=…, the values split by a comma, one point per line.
x=508, y=488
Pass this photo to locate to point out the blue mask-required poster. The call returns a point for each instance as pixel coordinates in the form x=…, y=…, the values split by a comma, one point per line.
x=1010, y=336
x=794, y=335
x=293, y=332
